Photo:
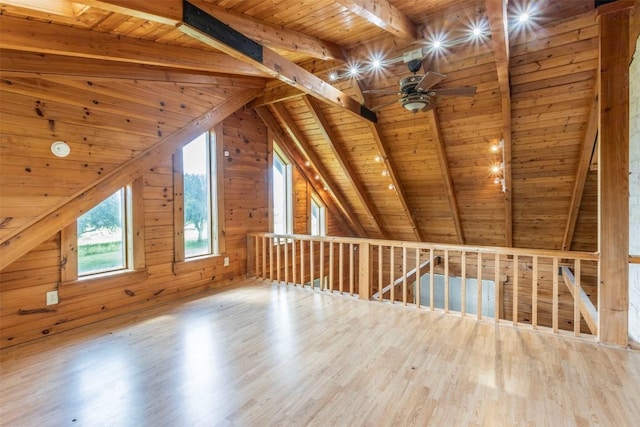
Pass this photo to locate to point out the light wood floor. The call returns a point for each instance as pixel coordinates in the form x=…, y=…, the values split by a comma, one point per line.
x=265, y=355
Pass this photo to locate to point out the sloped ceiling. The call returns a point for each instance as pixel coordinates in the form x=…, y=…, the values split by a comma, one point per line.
x=119, y=75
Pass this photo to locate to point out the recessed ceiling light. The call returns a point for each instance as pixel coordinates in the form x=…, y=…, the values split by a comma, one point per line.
x=353, y=70
x=524, y=17
x=437, y=44
x=376, y=64
x=477, y=32
x=333, y=76
x=60, y=149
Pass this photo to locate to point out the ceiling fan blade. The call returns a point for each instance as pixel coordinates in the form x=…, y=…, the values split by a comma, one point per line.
x=382, y=91
x=430, y=79
x=453, y=91
x=381, y=106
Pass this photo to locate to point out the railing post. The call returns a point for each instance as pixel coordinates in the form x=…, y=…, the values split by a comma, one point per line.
x=364, y=274
x=250, y=257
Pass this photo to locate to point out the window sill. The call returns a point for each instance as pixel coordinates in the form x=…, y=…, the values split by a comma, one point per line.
x=104, y=281
x=193, y=264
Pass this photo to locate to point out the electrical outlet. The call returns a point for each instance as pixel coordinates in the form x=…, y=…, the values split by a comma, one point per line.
x=226, y=261
x=52, y=297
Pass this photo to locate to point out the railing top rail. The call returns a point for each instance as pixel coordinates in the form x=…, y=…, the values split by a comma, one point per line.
x=587, y=256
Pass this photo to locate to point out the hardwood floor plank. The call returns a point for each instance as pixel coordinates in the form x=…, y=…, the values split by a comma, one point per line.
x=262, y=354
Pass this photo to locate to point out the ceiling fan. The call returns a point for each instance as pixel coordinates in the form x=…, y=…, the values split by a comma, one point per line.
x=416, y=90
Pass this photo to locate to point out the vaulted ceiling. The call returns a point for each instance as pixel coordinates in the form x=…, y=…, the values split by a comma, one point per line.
x=147, y=69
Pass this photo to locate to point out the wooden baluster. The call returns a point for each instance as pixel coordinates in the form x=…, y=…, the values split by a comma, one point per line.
x=446, y=280
x=576, y=296
x=431, y=280
x=278, y=248
x=534, y=293
x=380, y=279
x=351, y=270
x=404, y=275
x=463, y=283
x=516, y=270
x=417, y=285
x=331, y=266
x=497, y=300
x=286, y=261
x=294, y=266
x=323, y=285
x=392, y=267
x=555, y=295
x=264, y=257
x=271, y=243
x=302, y=263
x=341, y=269
x=479, y=286
x=312, y=265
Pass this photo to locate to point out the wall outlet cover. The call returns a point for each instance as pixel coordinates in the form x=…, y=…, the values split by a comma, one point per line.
x=52, y=297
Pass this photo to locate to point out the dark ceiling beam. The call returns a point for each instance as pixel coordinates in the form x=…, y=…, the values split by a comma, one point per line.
x=584, y=162
x=432, y=119
x=28, y=64
x=306, y=149
x=207, y=29
x=14, y=246
x=342, y=159
x=384, y=15
x=39, y=37
x=497, y=12
x=291, y=149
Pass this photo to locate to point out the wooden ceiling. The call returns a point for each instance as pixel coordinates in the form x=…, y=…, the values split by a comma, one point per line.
x=123, y=75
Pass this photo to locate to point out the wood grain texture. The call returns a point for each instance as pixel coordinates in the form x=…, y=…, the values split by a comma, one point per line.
x=293, y=342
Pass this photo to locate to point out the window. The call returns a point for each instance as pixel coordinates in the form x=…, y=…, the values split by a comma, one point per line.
x=102, y=236
x=199, y=169
x=318, y=222
x=282, y=194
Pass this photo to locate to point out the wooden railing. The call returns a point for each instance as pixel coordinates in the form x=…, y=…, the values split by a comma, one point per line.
x=519, y=286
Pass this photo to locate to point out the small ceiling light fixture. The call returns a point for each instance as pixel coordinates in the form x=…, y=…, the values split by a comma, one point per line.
x=437, y=44
x=376, y=64
x=307, y=163
x=524, y=17
x=378, y=158
x=333, y=76
x=60, y=149
x=392, y=187
x=385, y=172
x=353, y=70
x=497, y=146
x=317, y=177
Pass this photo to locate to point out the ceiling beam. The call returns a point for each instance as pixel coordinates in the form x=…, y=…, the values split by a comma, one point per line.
x=497, y=12
x=28, y=64
x=300, y=141
x=39, y=37
x=344, y=163
x=206, y=28
x=384, y=15
x=300, y=158
x=446, y=175
x=584, y=163
x=274, y=36
x=25, y=239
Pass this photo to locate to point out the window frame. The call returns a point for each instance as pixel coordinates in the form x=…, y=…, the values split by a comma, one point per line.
x=134, y=239
x=322, y=219
x=216, y=211
x=278, y=153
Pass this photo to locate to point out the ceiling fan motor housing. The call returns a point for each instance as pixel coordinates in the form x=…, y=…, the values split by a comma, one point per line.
x=408, y=84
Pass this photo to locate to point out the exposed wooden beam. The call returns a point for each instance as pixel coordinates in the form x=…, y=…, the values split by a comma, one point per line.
x=293, y=151
x=587, y=309
x=18, y=244
x=29, y=64
x=497, y=12
x=209, y=30
x=168, y=12
x=384, y=15
x=53, y=7
x=40, y=37
x=446, y=175
x=613, y=178
x=341, y=157
x=307, y=151
x=584, y=161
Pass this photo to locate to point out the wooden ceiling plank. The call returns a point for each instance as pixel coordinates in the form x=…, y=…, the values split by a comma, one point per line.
x=584, y=163
x=30, y=36
x=14, y=246
x=164, y=12
x=307, y=151
x=292, y=150
x=341, y=156
x=446, y=175
x=497, y=12
x=209, y=30
x=384, y=15
x=277, y=37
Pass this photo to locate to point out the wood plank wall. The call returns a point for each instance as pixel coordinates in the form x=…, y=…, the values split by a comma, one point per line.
x=24, y=315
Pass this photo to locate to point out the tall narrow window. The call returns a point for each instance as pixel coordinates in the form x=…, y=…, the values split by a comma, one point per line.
x=318, y=221
x=200, y=197
x=282, y=195
x=102, y=235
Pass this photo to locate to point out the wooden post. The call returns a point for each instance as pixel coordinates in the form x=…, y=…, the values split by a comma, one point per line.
x=250, y=256
x=364, y=267
x=613, y=175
